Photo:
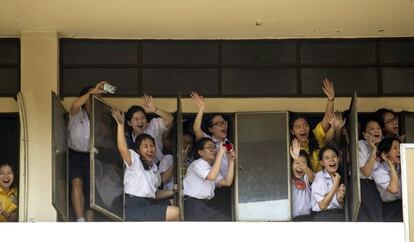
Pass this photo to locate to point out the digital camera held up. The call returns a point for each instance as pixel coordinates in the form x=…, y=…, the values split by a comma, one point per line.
x=108, y=88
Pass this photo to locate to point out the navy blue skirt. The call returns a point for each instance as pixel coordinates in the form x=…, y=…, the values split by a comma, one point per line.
x=198, y=210
x=145, y=209
x=371, y=204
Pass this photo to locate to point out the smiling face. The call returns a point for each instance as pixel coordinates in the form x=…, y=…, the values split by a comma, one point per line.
x=390, y=124
x=218, y=127
x=330, y=161
x=208, y=152
x=297, y=167
x=394, y=153
x=138, y=123
x=6, y=177
x=300, y=130
x=146, y=149
x=374, y=129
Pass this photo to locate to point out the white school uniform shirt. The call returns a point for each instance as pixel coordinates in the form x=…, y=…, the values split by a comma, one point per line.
x=166, y=162
x=155, y=128
x=322, y=185
x=224, y=166
x=195, y=182
x=301, y=198
x=79, y=131
x=139, y=182
x=382, y=179
x=363, y=156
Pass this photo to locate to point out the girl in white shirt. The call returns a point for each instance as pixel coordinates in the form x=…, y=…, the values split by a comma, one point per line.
x=137, y=123
x=388, y=179
x=328, y=193
x=142, y=179
x=203, y=175
x=302, y=177
x=371, y=204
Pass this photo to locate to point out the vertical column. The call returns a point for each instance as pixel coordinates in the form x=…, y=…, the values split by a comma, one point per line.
x=39, y=75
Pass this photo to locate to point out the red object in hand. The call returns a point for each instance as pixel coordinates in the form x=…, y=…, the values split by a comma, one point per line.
x=228, y=146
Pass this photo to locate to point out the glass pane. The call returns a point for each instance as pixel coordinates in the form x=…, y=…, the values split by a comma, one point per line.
x=263, y=167
x=125, y=79
x=397, y=80
x=353, y=131
x=9, y=81
x=171, y=81
x=346, y=81
x=259, y=81
x=397, y=51
x=60, y=184
x=107, y=166
x=258, y=52
x=81, y=52
x=9, y=51
x=180, y=52
x=338, y=52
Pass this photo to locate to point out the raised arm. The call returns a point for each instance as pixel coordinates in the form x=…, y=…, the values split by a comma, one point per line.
x=294, y=152
x=323, y=205
x=228, y=180
x=122, y=145
x=393, y=187
x=80, y=101
x=201, y=104
x=149, y=106
x=369, y=165
x=329, y=91
x=215, y=170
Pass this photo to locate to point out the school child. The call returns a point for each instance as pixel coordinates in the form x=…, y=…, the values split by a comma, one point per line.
x=217, y=127
x=142, y=179
x=388, y=179
x=311, y=142
x=389, y=123
x=328, y=193
x=166, y=164
x=137, y=124
x=78, y=143
x=371, y=204
x=8, y=194
x=203, y=175
x=302, y=177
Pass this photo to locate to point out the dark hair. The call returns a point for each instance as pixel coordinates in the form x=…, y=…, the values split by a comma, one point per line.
x=138, y=142
x=199, y=145
x=328, y=147
x=6, y=163
x=379, y=115
x=366, y=122
x=304, y=154
x=386, y=144
x=128, y=115
x=84, y=91
x=313, y=144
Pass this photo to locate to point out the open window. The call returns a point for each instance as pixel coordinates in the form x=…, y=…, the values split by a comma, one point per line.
x=262, y=191
x=107, y=167
x=60, y=168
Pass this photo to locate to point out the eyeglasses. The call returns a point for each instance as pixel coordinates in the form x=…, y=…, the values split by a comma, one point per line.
x=211, y=148
x=219, y=123
x=395, y=119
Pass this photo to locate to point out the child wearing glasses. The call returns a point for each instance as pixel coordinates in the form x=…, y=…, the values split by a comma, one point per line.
x=218, y=128
x=203, y=176
x=389, y=123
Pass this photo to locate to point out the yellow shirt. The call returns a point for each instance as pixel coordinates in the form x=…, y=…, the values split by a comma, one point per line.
x=319, y=134
x=8, y=201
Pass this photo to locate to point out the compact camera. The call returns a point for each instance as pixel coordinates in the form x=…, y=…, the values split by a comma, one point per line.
x=108, y=88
